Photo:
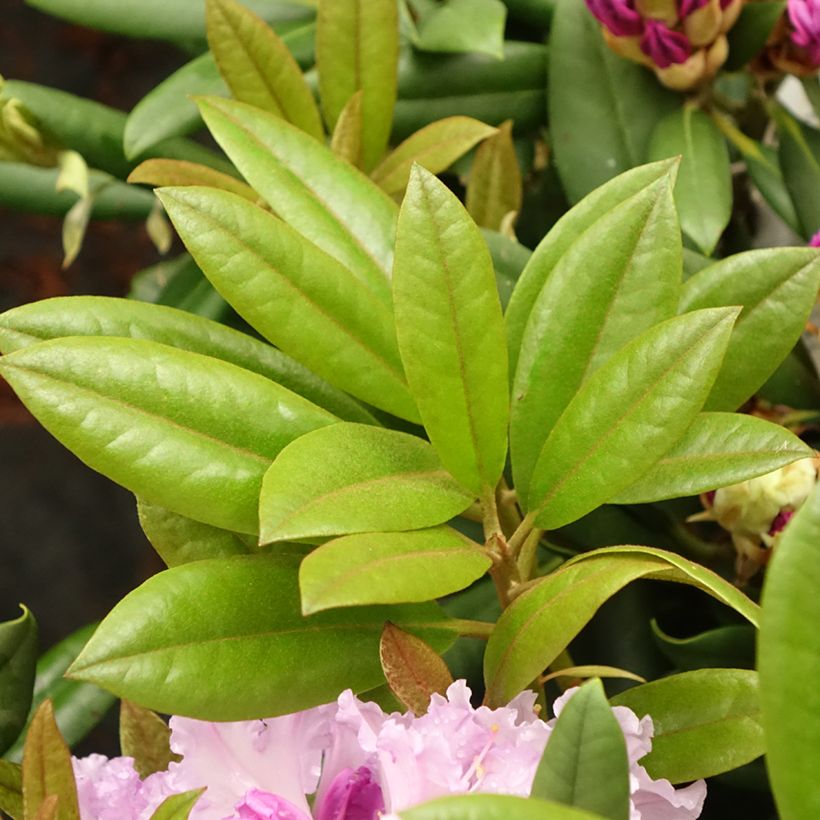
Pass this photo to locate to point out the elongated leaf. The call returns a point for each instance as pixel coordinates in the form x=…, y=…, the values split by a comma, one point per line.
x=104, y=316
x=585, y=762
x=789, y=664
x=346, y=141
x=717, y=450
x=163, y=172
x=297, y=296
x=450, y=330
x=177, y=806
x=627, y=415
x=566, y=231
x=748, y=35
x=11, y=789
x=389, y=568
x=777, y=288
x=589, y=307
x=602, y=108
x=732, y=645
x=180, y=429
x=799, y=154
x=47, y=767
x=18, y=659
x=414, y=670
x=509, y=260
x=145, y=736
x=706, y=722
x=541, y=622
x=464, y=25
x=357, y=49
x=320, y=195
x=258, y=67
x=187, y=619
x=356, y=478
x=435, y=147
x=703, y=192
x=493, y=807
x=494, y=187
x=48, y=808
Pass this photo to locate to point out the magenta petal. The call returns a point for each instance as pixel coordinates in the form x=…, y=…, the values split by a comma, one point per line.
x=260, y=805
x=663, y=45
x=804, y=16
x=352, y=796
x=814, y=242
x=618, y=16
x=780, y=521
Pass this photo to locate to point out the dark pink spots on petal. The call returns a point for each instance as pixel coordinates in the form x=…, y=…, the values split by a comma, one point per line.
x=618, y=16
x=352, y=796
x=664, y=46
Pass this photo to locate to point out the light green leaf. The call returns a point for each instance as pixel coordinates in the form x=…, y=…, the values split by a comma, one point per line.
x=326, y=199
x=540, y=623
x=493, y=807
x=464, y=25
x=629, y=413
x=145, y=737
x=451, y=333
x=593, y=207
x=355, y=478
x=703, y=192
x=585, y=763
x=18, y=660
x=389, y=568
x=346, y=141
x=357, y=49
x=258, y=67
x=300, y=298
x=718, y=449
x=177, y=806
x=789, y=664
x=155, y=643
x=589, y=307
x=11, y=789
x=435, y=147
x=180, y=429
x=799, y=153
x=777, y=288
x=163, y=172
x=706, y=722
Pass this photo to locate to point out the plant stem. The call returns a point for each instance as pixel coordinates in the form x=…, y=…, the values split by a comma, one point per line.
x=517, y=539
x=471, y=629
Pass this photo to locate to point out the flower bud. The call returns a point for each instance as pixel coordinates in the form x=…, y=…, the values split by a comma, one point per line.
x=793, y=46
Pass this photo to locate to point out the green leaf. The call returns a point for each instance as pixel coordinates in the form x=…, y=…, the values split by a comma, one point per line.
x=47, y=768
x=602, y=108
x=435, y=147
x=18, y=659
x=718, y=449
x=589, y=307
x=789, y=664
x=187, y=618
x=163, y=172
x=258, y=67
x=509, y=259
x=464, y=25
x=389, y=568
x=585, y=762
x=105, y=316
x=799, y=153
x=353, y=478
x=11, y=789
x=493, y=807
x=777, y=288
x=323, y=197
x=629, y=413
x=177, y=806
x=299, y=297
x=180, y=429
x=357, y=49
x=703, y=193
x=732, y=645
x=145, y=736
x=706, y=722
x=494, y=187
x=346, y=141
x=450, y=331
x=748, y=35
x=540, y=623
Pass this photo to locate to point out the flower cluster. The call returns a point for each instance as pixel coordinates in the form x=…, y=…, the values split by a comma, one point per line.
x=794, y=44
x=683, y=41
x=360, y=763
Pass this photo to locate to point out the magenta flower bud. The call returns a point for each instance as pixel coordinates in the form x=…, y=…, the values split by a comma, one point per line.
x=804, y=16
x=814, y=242
x=353, y=795
x=664, y=46
x=619, y=16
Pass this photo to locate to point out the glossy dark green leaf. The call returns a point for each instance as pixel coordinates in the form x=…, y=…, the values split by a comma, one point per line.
x=596, y=205
x=11, y=789
x=155, y=643
x=463, y=25
x=299, y=297
x=748, y=35
x=323, y=197
x=357, y=49
x=703, y=192
x=180, y=429
x=105, y=316
x=629, y=413
x=145, y=737
x=585, y=763
x=355, y=478
x=493, y=807
x=602, y=108
x=777, y=288
x=390, y=568
x=706, y=722
x=177, y=806
x=18, y=659
x=732, y=645
x=718, y=449
x=789, y=664
x=589, y=307
x=799, y=153
x=450, y=331
x=541, y=622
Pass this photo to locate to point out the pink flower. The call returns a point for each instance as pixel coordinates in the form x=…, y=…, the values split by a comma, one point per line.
x=619, y=16
x=804, y=16
x=814, y=242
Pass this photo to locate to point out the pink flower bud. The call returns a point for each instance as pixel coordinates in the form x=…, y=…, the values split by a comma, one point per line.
x=665, y=46
x=618, y=16
x=804, y=15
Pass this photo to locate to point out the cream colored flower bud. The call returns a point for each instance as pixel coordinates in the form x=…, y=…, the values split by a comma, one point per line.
x=703, y=25
x=730, y=15
x=664, y=10
x=684, y=76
